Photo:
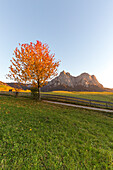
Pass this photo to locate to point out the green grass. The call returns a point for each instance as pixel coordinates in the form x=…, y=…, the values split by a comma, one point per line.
x=91, y=96
x=38, y=135
x=3, y=87
x=102, y=96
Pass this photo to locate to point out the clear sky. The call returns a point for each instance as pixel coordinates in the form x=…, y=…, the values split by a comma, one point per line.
x=79, y=32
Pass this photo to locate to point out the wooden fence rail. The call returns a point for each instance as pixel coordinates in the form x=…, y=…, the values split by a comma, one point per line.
x=90, y=102
x=70, y=99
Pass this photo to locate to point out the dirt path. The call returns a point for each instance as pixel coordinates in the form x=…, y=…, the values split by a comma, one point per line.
x=78, y=106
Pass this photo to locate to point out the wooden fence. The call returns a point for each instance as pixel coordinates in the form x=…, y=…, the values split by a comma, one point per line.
x=76, y=100
x=69, y=99
x=14, y=93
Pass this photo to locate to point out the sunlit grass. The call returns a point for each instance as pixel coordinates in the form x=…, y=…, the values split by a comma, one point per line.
x=83, y=92
x=104, y=96
x=38, y=135
x=7, y=88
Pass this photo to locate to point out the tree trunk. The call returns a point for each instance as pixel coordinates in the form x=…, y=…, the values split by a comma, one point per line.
x=16, y=94
x=39, y=94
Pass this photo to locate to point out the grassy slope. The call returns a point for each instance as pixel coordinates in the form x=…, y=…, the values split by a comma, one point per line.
x=5, y=88
x=43, y=136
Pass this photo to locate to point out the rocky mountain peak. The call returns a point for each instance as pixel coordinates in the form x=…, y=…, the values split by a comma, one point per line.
x=83, y=82
x=94, y=77
x=62, y=73
x=68, y=74
x=85, y=74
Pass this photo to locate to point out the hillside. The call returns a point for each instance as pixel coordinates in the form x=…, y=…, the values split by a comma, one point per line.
x=4, y=86
x=38, y=135
x=1, y=83
x=19, y=86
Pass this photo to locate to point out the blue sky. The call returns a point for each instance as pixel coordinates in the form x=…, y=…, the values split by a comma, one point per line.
x=79, y=32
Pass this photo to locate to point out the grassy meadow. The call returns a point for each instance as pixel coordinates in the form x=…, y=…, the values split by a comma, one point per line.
x=39, y=135
x=103, y=96
x=5, y=88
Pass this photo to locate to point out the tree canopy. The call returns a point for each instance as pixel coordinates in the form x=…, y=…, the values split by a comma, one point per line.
x=33, y=63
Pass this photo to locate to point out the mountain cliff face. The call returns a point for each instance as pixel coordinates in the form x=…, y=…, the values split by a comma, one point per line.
x=65, y=81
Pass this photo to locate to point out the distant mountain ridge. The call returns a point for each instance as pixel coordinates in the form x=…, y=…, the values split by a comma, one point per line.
x=2, y=83
x=19, y=86
x=65, y=81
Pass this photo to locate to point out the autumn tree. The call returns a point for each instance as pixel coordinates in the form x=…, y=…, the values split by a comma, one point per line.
x=32, y=63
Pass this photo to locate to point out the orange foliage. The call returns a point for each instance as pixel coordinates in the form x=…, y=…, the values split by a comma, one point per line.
x=33, y=64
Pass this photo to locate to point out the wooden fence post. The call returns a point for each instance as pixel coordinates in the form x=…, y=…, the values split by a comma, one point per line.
x=90, y=102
